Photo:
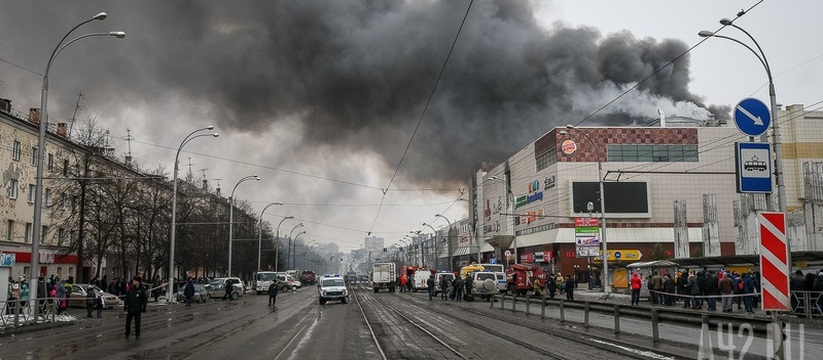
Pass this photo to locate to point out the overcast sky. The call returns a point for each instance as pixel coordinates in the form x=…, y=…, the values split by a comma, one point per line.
x=321, y=98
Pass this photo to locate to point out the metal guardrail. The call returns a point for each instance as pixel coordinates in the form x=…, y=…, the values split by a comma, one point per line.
x=16, y=313
x=808, y=304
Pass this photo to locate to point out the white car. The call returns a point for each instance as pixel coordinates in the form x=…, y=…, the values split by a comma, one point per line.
x=332, y=288
x=217, y=286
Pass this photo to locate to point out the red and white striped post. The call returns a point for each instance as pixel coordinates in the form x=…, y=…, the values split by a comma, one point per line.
x=775, y=268
x=774, y=262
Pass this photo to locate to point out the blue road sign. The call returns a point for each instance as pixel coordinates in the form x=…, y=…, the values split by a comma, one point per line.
x=752, y=116
x=754, y=167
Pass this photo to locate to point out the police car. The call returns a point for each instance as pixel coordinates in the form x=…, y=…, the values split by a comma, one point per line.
x=332, y=288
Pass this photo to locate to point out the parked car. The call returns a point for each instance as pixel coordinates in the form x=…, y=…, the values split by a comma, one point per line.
x=288, y=282
x=217, y=287
x=201, y=293
x=484, y=285
x=79, y=294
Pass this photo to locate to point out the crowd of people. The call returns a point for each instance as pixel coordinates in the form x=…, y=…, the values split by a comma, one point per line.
x=699, y=288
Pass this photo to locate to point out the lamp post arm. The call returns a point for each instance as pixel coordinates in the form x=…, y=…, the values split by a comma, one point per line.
x=762, y=55
x=759, y=57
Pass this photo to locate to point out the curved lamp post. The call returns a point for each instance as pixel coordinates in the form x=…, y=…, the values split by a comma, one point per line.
x=294, y=248
x=778, y=148
x=191, y=136
x=277, y=244
x=435, y=244
x=231, y=212
x=288, y=247
x=449, y=252
x=600, y=157
x=510, y=218
x=260, y=234
x=41, y=146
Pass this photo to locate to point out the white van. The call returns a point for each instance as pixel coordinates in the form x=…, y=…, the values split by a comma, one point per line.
x=420, y=277
x=439, y=276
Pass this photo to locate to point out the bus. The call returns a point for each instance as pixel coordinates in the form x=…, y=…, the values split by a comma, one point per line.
x=262, y=280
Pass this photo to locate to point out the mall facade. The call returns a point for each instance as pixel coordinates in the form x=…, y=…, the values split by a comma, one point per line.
x=669, y=192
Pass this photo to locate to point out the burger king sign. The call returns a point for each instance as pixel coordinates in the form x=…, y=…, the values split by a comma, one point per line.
x=568, y=147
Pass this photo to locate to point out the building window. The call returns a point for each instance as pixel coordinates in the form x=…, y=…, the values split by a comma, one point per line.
x=9, y=230
x=47, y=199
x=546, y=159
x=62, y=204
x=26, y=272
x=65, y=168
x=43, y=231
x=51, y=162
x=31, y=193
x=27, y=235
x=15, y=151
x=61, y=234
x=12, y=190
x=33, y=159
x=652, y=153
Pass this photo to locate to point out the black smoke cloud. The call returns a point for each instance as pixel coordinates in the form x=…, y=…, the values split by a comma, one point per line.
x=359, y=74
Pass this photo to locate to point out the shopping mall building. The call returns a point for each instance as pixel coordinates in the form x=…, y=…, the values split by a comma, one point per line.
x=670, y=192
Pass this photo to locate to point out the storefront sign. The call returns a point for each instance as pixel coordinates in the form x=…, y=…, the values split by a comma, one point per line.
x=7, y=260
x=587, y=237
x=568, y=147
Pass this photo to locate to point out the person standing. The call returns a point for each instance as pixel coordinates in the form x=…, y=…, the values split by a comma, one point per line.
x=273, y=287
x=726, y=289
x=135, y=305
x=636, y=284
x=60, y=296
x=458, y=289
x=229, y=289
x=91, y=300
x=403, y=280
x=188, y=292
x=430, y=286
x=569, y=288
x=444, y=287
x=551, y=286
x=748, y=288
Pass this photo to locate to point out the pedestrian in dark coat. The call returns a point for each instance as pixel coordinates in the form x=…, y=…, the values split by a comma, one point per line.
x=467, y=284
x=135, y=305
x=430, y=285
x=188, y=292
x=569, y=288
x=92, y=298
x=458, y=289
x=797, y=284
x=229, y=289
x=273, y=288
x=551, y=286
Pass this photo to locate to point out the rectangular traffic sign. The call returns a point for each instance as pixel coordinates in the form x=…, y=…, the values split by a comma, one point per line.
x=754, y=167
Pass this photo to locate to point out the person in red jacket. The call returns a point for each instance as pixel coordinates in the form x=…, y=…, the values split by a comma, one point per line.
x=636, y=284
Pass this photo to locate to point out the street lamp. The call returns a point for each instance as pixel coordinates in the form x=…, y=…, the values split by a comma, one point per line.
x=294, y=248
x=189, y=137
x=260, y=234
x=778, y=147
x=277, y=245
x=231, y=212
x=288, y=247
x=41, y=146
x=600, y=157
x=510, y=219
x=435, y=244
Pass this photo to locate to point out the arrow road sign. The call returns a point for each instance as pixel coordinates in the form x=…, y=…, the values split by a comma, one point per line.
x=752, y=117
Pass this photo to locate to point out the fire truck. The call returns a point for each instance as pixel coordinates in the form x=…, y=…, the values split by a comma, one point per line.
x=520, y=278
